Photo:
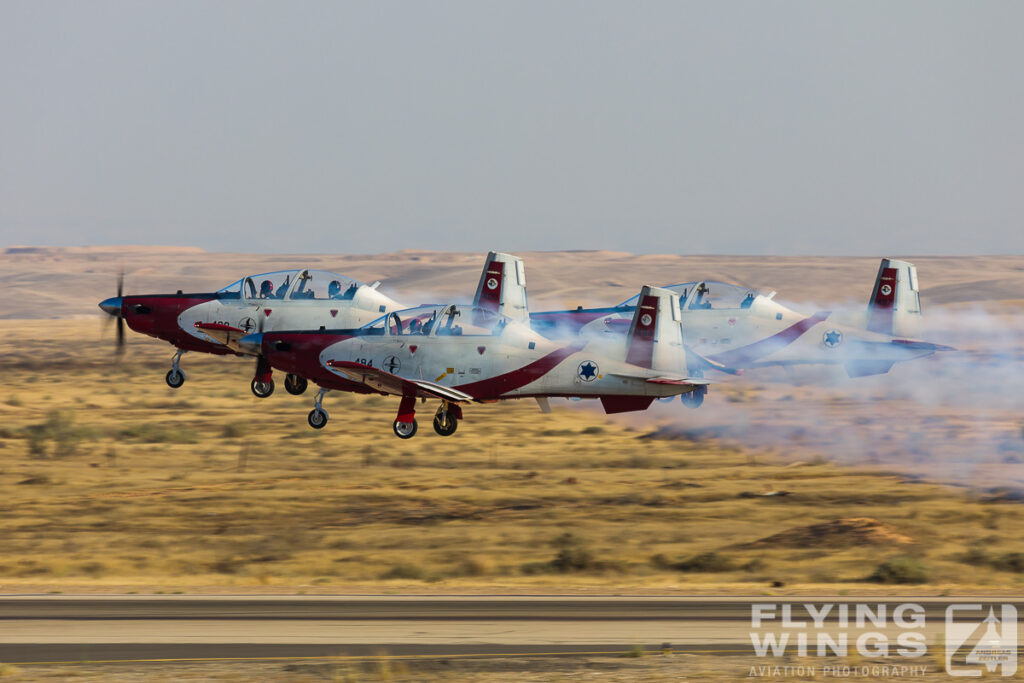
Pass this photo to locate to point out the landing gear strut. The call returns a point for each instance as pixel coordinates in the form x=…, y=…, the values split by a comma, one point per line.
x=405, y=424
x=175, y=377
x=446, y=419
x=294, y=384
x=318, y=417
x=263, y=383
x=695, y=398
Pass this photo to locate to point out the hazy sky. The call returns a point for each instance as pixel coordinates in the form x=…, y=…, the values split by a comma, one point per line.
x=679, y=127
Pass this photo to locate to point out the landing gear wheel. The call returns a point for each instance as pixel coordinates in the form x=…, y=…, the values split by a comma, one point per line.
x=295, y=385
x=405, y=430
x=317, y=418
x=175, y=378
x=695, y=398
x=262, y=389
x=446, y=424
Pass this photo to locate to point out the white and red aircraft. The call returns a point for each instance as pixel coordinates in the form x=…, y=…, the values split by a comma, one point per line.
x=463, y=354
x=288, y=300
x=736, y=327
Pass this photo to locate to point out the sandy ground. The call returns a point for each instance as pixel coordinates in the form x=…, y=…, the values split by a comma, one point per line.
x=50, y=282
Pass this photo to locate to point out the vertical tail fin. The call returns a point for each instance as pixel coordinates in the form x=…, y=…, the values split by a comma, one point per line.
x=502, y=287
x=655, y=338
x=895, y=306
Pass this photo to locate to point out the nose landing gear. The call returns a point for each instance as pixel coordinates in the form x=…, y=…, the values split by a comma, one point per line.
x=318, y=417
x=175, y=377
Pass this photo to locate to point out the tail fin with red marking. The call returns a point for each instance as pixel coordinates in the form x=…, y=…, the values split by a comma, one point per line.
x=502, y=287
x=655, y=338
x=895, y=306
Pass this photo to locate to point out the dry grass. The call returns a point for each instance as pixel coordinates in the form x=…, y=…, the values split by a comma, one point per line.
x=140, y=487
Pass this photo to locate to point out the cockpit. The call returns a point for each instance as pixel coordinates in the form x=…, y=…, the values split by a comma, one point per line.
x=449, y=320
x=294, y=285
x=695, y=296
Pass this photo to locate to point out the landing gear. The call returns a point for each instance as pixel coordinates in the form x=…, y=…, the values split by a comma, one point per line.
x=405, y=430
x=695, y=398
x=295, y=385
x=405, y=424
x=318, y=417
x=262, y=389
x=263, y=383
x=175, y=377
x=446, y=419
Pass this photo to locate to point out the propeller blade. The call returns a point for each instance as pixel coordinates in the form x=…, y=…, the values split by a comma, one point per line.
x=120, y=334
x=120, y=283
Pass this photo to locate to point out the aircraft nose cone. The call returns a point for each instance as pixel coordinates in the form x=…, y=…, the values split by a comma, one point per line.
x=252, y=343
x=112, y=305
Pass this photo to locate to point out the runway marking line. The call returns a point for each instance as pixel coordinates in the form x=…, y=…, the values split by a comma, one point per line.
x=484, y=655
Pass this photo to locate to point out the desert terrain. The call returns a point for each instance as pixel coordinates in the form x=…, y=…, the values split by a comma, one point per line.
x=783, y=483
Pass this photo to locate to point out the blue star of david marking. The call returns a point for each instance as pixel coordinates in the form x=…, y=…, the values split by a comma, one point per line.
x=587, y=371
x=832, y=338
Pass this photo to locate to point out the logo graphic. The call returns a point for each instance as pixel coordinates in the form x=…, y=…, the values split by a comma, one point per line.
x=646, y=319
x=392, y=364
x=989, y=641
x=492, y=283
x=886, y=290
x=247, y=324
x=832, y=338
x=587, y=371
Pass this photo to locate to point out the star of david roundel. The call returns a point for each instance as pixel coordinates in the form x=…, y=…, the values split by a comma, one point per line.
x=832, y=338
x=588, y=371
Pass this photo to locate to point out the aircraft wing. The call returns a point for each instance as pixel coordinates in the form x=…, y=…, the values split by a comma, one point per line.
x=666, y=379
x=224, y=334
x=379, y=380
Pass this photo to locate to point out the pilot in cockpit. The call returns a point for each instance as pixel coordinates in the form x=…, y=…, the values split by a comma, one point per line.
x=699, y=302
x=266, y=289
x=334, y=290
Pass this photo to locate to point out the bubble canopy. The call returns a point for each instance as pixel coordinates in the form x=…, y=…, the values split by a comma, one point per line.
x=439, y=320
x=295, y=285
x=706, y=295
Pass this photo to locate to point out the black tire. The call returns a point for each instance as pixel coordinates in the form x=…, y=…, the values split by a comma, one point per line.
x=317, y=418
x=406, y=432
x=295, y=385
x=262, y=389
x=175, y=378
x=695, y=398
x=447, y=426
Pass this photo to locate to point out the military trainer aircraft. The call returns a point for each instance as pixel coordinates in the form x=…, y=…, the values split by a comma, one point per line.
x=462, y=354
x=288, y=299
x=737, y=327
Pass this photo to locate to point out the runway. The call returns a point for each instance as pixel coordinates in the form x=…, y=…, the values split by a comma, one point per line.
x=49, y=629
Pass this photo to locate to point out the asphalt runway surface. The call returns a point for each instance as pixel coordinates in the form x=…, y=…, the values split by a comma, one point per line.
x=129, y=628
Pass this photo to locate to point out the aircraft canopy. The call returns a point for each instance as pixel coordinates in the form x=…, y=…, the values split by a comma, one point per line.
x=293, y=285
x=443, y=320
x=706, y=295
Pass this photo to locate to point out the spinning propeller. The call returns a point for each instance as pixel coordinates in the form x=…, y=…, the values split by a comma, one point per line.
x=113, y=307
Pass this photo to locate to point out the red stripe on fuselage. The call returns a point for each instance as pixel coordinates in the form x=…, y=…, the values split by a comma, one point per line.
x=302, y=357
x=745, y=355
x=494, y=387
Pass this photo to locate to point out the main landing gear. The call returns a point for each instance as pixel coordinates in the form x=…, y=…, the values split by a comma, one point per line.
x=446, y=419
x=295, y=385
x=695, y=398
x=318, y=417
x=263, y=383
x=175, y=377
